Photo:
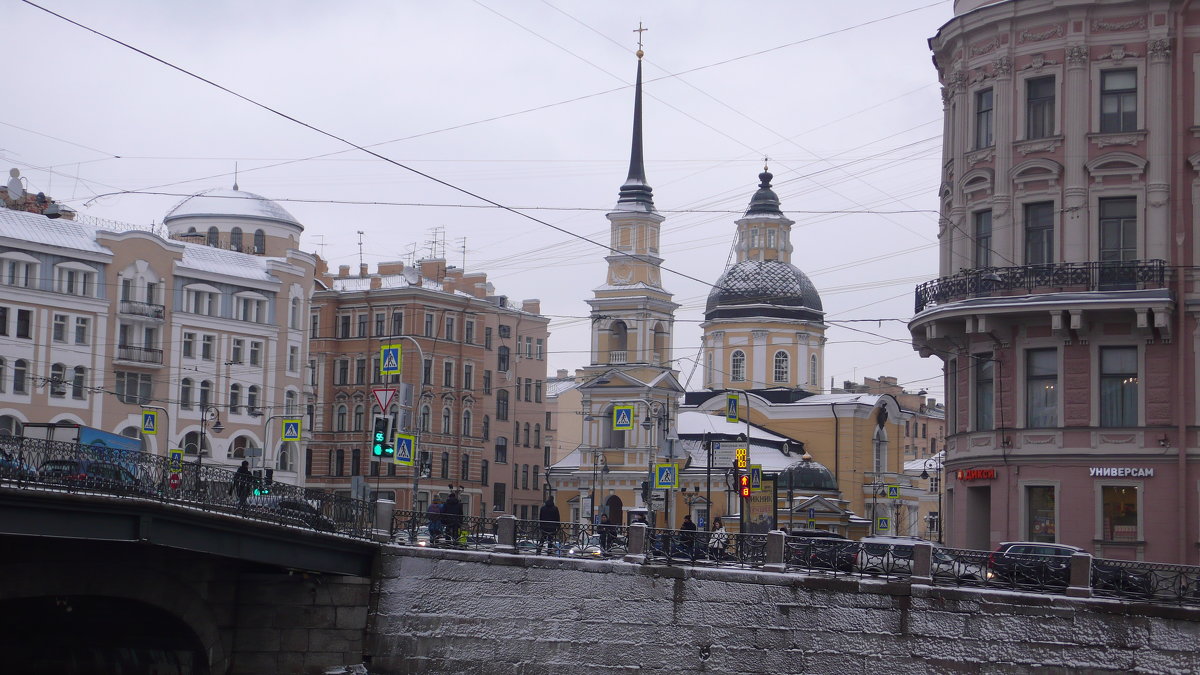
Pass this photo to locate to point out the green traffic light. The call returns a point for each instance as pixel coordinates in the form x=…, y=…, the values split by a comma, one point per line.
x=389, y=451
x=377, y=450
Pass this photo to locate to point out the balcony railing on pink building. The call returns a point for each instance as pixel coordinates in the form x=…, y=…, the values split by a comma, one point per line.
x=142, y=309
x=1051, y=278
x=140, y=355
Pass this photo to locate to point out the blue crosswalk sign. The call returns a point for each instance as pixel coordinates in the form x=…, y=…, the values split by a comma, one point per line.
x=731, y=407
x=665, y=476
x=404, y=449
x=893, y=491
x=622, y=418
x=883, y=524
x=149, y=422
x=389, y=360
x=291, y=430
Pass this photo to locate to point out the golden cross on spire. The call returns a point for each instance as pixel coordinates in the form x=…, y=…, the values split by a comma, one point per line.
x=639, y=30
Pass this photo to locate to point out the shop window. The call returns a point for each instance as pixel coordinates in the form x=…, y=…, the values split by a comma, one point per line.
x=1040, y=512
x=1119, y=506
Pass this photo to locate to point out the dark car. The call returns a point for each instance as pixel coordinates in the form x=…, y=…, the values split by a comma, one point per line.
x=1031, y=563
x=821, y=549
x=85, y=474
x=292, y=512
x=14, y=467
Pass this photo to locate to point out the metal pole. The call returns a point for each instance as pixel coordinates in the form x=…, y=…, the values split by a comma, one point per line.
x=940, y=515
x=708, y=479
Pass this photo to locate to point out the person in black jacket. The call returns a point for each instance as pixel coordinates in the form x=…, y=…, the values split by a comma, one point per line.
x=548, y=527
x=242, y=481
x=452, y=516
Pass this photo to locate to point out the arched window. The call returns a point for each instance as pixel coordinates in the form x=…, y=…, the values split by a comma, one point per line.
x=214, y=237
x=287, y=452
x=880, y=441
x=294, y=315
x=812, y=369
x=237, y=449
x=446, y=429
x=426, y=413
x=466, y=423
x=445, y=468
x=618, y=342
x=252, y=399
x=782, y=367
x=359, y=411
x=502, y=358
x=185, y=393
x=235, y=399
x=501, y=450
x=235, y=239
x=290, y=406
x=737, y=366
x=502, y=405
x=486, y=430
x=205, y=393
x=464, y=471
x=340, y=418
x=483, y=472
x=537, y=435
x=10, y=426
x=524, y=476
x=20, y=376
x=662, y=343
x=78, y=383
x=260, y=242
x=526, y=443
x=58, y=380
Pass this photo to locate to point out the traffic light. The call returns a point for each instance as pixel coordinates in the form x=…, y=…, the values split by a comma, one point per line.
x=259, y=488
x=646, y=491
x=744, y=485
x=379, y=439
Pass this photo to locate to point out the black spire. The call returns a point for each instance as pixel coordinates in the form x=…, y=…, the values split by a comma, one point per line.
x=635, y=192
x=765, y=200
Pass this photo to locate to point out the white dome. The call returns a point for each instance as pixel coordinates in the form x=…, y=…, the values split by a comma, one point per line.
x=221, y=203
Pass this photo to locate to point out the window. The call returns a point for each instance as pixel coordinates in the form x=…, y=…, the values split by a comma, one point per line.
x=1039, y=107
x=534, y=483
x=294, y=314
x=812, y=370
x=340, y=418
x=359, y=413
x=466, y=423
x=78, y=383
x=1040, y=513
x=380, y=324
x=427, y=372
x=58, y=331
x=200, y=301
x=501, y=450
x=205, y=394
x=1118, y=386
x=528, y=389
x=239, y=347
x=344, y=326
x=469, y=332
x=984, y=391
x=880, y=443
x=464, y=467
x=444, y=471
x=1039, y=233
x=356, y=462
x=362, y=325
x=449, y=334
x=214, y=237
x=20, y=376
x=446, y=428
x=290, y=403
x=498, y=496
x=342, y=374
x=397, y=323
x=526, y=443
x=82, y=330
x=293, y=362
x=468, y=377
x=235, y=239
x=983, y=239
x=428, y=325
x=25, y=323
x=58, y=380
x=3, y=321
x=235, y=399
x=540, y=348
x=486, y=430
x=528, y=347
x=737, y=366
x=207, y=343
x=1118, y=229
x=74, y=281
x=483, y=472
x=252, y=400
x=1118, y=101
x=505, y=332
x=502, y=405
x=20, y=273
x=524, y=476
x=260, y=241
x=782, y=367
x=487, y=381
x=424, y=420
x=256, y=348
x=448, y=373
x=1041, y=388
x=537, y=391
x=537, y=435
x=185, y=393
x=1119, y=508
x=502, y=359
x=339, y=466
x=131, y=387
x=376, y=376
x=360, y=371
x=983, y=119
x=314, y=326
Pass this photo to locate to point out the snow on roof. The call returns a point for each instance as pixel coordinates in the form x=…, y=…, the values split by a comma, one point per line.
x=570, y=462
x=60, y=232
x=202, y=258
x=556, y=386
x=230, y=203
x=693, y=422
x=826, y=399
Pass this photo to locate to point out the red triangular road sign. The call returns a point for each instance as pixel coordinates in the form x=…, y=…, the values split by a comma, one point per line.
x=384, y=398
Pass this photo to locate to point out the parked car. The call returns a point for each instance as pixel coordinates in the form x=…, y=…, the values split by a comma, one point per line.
x=1032, y=563
x=13, y=467
x=822, y=549
x=592, y=547
x=894, y=555
x=292, y=512
x=85, y=474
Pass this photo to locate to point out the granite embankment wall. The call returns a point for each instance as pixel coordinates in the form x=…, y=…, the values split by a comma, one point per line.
x=478, y=612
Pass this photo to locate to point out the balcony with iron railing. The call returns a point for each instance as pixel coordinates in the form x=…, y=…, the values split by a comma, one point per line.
x=1066, y=277
x=140, y=355
x=243, y=245
x=145, y=309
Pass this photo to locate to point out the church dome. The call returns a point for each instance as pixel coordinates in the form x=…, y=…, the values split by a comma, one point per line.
x=221, y=203
x=770, y=288
x=807, y=474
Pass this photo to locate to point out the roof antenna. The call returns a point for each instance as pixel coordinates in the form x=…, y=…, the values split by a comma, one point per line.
x=235, y=172
x=360, y=259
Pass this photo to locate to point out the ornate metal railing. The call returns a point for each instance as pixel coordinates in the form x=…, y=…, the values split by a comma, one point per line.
x=820, y=555
x=1025, y=279
x=140, y=355
x=145, y=309
x=28, y=463
x=441, y=530
x=1138, y=580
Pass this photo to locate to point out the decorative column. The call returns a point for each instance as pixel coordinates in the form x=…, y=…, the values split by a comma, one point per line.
x=1075, y=115
x=1158, y=148
x=1003, y=220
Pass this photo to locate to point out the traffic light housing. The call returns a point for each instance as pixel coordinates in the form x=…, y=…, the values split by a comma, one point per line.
x=260, y=488
x=379, y=438
x=744, y=484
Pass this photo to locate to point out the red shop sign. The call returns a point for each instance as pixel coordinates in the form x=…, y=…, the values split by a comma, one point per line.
x=976, y=474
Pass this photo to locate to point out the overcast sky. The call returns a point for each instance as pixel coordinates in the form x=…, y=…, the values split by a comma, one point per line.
x=528, y=104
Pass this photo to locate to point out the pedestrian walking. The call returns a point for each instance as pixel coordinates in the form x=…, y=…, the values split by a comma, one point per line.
x=242, y=480
x=434, y=516
x=548, y=525
x=452, y=516
x=717, y=541
x=608, y=532
x=687, y=534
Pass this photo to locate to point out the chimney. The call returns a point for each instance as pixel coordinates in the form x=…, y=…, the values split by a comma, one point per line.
x=362, y=270
x=532, y=306
x=562, y=373
x=387, y=268
x=376, y=283
x=343, y=271
x=433, y=268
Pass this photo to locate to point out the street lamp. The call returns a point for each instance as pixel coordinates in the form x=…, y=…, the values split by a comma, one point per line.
x=937, y=465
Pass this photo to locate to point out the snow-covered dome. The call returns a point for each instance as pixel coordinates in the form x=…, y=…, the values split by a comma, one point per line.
x=771, y=288
x=807, y=474
x=222, y=203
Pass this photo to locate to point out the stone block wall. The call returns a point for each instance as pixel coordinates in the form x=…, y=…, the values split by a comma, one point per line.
x=478, y=612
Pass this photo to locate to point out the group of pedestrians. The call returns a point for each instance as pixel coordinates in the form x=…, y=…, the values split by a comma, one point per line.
x=445, y=518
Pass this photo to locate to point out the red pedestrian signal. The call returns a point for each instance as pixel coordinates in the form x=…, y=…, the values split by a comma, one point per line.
x=744, y=485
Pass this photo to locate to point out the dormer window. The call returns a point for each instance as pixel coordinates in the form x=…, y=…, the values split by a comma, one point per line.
x=250, y=307
x=201, y=299
x=75, y=279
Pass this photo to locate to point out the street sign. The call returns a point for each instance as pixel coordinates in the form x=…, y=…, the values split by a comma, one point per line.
x=406, y=446
x=149, y=422
x=173, y=481
x=622, y=418
x=665, y=476
x=812, y=524
x=291, y=429
x=883, y=524
x=389, y=360
x=175, y=459
x=756, y=477
x=731, y=408
x=812, y=513
x=893, y=492
x=725, y=452
x=384, y=398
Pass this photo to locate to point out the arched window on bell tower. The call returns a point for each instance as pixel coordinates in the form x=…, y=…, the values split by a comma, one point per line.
x=662, y=344
x=618, y=343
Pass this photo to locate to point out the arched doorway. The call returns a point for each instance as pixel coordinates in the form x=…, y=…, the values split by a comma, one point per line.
x=613, y=507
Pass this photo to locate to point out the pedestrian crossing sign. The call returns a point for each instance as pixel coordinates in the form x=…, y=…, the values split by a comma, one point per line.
x=291, y=430
x=731, y=407
x=175, y=459
x=883, y=524
x=665, y=476
x=404, y=449
x=622, y=418
x=389, y=360
x=756, y=477
x=893, y=492
x=149, y=422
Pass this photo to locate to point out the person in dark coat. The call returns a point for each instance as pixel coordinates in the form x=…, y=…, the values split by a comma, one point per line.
x=452, y=516
x=548, y=525
x=608, y=532
x=687, y=535
x=242, y=481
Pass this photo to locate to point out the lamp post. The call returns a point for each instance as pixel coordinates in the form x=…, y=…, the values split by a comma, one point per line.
x=937, y=464
x=207, y=412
